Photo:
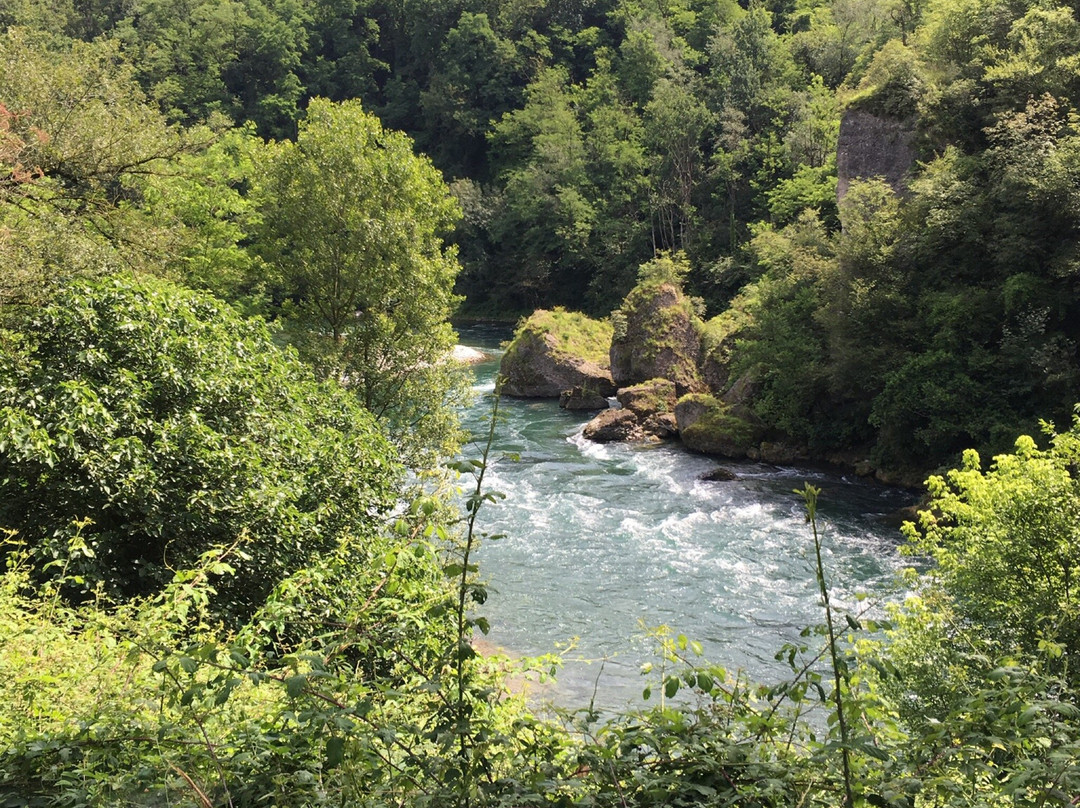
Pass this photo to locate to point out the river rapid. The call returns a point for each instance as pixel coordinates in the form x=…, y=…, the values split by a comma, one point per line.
x=604, y=542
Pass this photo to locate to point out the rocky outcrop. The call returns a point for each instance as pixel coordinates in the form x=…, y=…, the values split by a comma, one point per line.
x=873, y=146
x=657, y=336
x=661, y=425
x=718, y=345
x=549, y=355
x=719, y=475
x=648, y=398
x=709, y=426
x=612, y=426
x=579, y=398
x=625, y=425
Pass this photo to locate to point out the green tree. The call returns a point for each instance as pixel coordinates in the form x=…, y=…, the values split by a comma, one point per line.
x=174, y=425
x=472, y=84
x=352, y=227
x=77, y=144
x=238, y=57
x=548, y=215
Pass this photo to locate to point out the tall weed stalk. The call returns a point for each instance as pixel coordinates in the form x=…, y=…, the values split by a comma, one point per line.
x=810, y=496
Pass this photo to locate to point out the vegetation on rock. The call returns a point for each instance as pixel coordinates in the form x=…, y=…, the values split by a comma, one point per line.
x=555, y=351
x=218, y=591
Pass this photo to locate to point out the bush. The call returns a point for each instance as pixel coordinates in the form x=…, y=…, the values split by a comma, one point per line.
x=175, y=425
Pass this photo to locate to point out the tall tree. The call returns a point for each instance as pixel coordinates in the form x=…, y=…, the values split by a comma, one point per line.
x=353, y=225
x=77, y=145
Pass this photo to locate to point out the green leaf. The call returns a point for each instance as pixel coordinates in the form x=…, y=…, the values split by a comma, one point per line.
x=295, y=685
x=335, y=752
x=671, y=686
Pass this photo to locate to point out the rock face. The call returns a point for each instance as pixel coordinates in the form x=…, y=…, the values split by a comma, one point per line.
x=661, y=425
x=537, y=365
x=581, y=399
x=873, y=146
x=647, y=398
x=658, y=338
x=707, y=425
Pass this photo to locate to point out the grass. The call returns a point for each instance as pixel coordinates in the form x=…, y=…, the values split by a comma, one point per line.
x=576, y=334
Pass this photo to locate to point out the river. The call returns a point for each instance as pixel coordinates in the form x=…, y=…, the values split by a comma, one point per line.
x=603, y=542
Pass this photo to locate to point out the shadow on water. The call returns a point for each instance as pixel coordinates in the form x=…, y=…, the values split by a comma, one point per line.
x=605, y=541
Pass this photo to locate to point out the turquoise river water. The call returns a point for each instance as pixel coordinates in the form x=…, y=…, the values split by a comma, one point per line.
x=604, y=541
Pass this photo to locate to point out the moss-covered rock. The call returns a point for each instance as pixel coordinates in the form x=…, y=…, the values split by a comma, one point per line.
x=718, y=344
x=709, y=426
x=648, y=398
x=657, y=335
x=578, y=398
x=558, y=350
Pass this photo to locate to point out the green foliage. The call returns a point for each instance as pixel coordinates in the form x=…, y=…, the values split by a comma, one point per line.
x=783, y=344
x=174, y=426
x=204, y=200
x=1004, y=544
x=893, y=85
x=352, y=225
x=77, y=141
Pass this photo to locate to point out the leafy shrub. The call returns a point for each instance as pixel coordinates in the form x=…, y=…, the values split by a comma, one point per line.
x=175, y=425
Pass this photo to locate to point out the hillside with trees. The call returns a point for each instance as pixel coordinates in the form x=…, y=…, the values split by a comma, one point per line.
x=580, y=140
x=232, y=235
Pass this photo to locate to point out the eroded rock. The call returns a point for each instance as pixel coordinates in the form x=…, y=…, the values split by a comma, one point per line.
x=658, y=338
x=579, y=398
x=613, y=425
x=707, y=425
x=648, y=398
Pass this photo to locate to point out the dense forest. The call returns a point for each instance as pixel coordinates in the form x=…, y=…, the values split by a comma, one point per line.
x=232, y=236
x=922, y=316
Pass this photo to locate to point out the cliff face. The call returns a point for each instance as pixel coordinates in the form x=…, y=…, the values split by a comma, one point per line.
x=873, y=146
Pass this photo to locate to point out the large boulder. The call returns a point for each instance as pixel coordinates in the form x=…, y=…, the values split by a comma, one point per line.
x=612, y=426
x=707, y=425
x=555, y=351
x=578, y=398
x=740, y=397
x=661, y=425
x=719, y=338
x=657, y=336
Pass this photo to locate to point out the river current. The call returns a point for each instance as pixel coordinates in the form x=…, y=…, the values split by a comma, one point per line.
x=604, y=542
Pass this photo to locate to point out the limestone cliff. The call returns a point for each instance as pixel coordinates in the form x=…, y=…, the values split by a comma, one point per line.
x=873, y=146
